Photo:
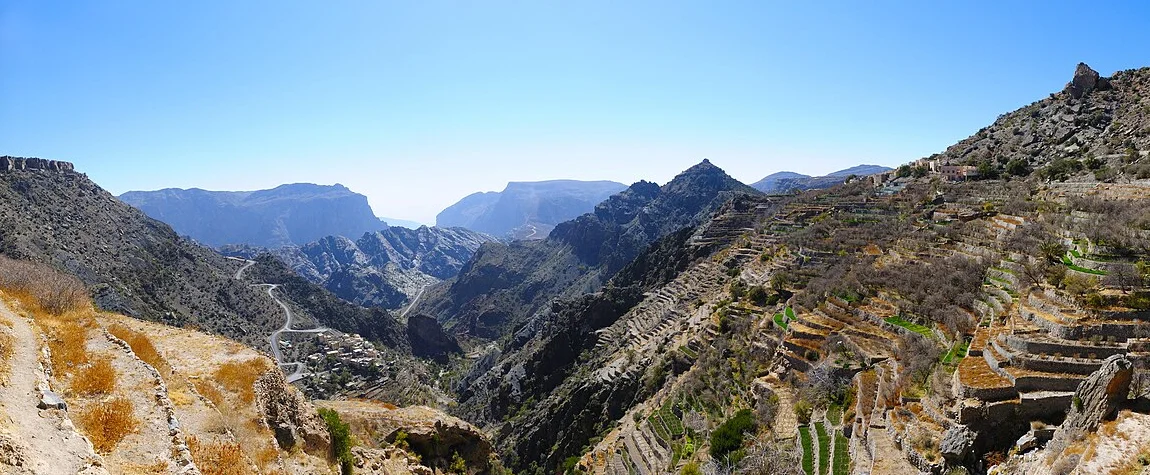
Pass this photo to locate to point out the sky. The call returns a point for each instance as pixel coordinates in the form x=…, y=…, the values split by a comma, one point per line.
x=419, y=103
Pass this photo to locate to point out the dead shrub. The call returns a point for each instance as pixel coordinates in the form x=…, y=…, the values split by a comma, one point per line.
x=239, y=377
x=218, y=458
x=107, y=423
x=98, y=378
x=141, y=346
x=41, y=287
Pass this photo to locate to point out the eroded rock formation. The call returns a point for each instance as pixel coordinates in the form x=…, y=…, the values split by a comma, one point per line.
x=1097, y=399
x=286, y=411
x=10, y=163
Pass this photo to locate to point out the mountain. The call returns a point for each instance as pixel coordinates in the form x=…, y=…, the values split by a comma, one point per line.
x=1094, y=127
x=504, y=284
x=786, y=182
x=402, y=223
x=139, y=266
x=527, y=210
x=384, y=268
x=287, y=214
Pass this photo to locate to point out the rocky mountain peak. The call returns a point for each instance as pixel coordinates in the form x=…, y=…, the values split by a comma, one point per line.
x=1085, y=80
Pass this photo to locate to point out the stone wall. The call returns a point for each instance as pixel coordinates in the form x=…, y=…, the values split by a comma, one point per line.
x=1064, y=347
x=9, y=163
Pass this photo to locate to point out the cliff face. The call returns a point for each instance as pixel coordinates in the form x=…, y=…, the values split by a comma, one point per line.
x=294, y=214
x=386, y=268
x=527, y=210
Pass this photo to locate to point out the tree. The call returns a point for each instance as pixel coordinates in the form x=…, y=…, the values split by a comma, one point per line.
x=1123, y=276
x=1018, y=167
x=987, y=170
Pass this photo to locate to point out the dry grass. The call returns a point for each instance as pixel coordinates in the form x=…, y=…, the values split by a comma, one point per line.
x=7, y=343
x=180, y=396
x=42, y=288
x=68, y=342
x=107, y=423
x=238, y=377
x=98, y=378
x=141, y=346
x=218, y=458
x=210, y=391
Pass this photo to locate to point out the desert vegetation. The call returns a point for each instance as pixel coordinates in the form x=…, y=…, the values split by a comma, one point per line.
x=108, y=422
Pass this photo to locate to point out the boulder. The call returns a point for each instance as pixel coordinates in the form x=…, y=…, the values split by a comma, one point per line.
x=957, y=443
x=289, y=415
x=1096, y=399
x=51, y=400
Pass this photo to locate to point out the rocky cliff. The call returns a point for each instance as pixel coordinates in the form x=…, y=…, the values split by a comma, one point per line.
x=504, y=284
x=294, y=214
x=386, y=268
x=527, y=210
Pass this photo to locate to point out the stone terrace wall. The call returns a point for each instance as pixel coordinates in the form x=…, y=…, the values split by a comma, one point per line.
x=9, y=163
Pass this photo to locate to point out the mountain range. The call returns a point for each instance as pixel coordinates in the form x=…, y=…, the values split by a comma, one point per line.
x=294, y=214
x=526, y=210
x=786, y=182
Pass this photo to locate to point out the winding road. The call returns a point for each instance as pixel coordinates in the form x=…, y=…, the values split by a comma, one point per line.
x=274, y=338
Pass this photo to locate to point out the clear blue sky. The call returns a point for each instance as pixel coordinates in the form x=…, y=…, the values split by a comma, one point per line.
x=418, y=103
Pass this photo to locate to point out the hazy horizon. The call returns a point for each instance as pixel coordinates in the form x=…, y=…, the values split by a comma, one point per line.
x=417, y=105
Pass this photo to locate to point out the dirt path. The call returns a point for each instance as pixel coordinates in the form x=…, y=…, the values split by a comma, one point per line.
x=47, y=440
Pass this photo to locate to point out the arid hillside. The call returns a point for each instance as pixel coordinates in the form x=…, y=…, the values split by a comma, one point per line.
x=92, y=392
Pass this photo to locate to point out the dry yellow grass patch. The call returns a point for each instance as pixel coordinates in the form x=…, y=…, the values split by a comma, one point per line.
x=141, y=346
x=98, y=378
x=107, y=423
x=238, y=377
x=158, y=466
x=180, y=396
x=68, y=341
x=7, y=343
x=218, y=458
x=210, y=391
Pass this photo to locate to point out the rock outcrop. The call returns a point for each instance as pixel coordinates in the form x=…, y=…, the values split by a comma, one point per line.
x=10, y=163
x=429, y=433
x=1097, y=399
x=288, y=413
x=957, y=443
x=1085, y=81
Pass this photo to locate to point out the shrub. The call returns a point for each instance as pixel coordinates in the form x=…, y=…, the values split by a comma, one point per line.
x=43, y=287
x=218, y=458
x=140, y=344
x=107, y=423
x=340, y=439
x=729, y=436
x=803, y=411
x=239, y=377
x=97, y=378
x=691, y=468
